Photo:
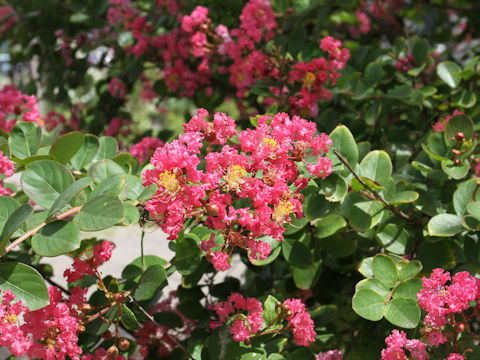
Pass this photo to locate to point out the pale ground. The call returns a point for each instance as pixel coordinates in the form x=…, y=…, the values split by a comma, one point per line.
x=127, y=241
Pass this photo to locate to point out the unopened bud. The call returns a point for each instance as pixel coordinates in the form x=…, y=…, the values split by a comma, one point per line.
x=460, y=136
x=285, y=308
x=112, y=352
x=118, y=297
x=457, y=161
x=123, y=344
x=86, y=308
x=212, y=209
x=81, y=328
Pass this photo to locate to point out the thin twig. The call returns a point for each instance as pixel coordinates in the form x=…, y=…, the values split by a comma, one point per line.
x=37, y=228
x=375, y=195
x=150, y=317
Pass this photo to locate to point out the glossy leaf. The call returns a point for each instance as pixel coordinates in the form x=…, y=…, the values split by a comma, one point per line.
x=24, y=140
x=84, y=156
x=403, y=312
x=69, y=193
x=152, y=280
x=99, y=213
x=445, y=225
x=385, y=270
x=56, y=238
x=187, y=256
x=44, y=181
x=66, y=146
x=368, y=304
x=25, y=283
x=449, y=72
x=14, y=221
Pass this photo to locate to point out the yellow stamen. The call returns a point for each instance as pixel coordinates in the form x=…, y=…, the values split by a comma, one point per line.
x=10, y=318
x=269, y=142
x=309, y=79
x=281, y=210
x=234, y=176
x=169, y=182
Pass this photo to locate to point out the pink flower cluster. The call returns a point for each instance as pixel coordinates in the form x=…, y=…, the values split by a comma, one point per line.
x=16, y=106
x=87, y=266
x=194, y=50
x=48, y=333
x=144, y=149
x=244, y=327
x=397, y=343
x=160, y=341
x=441, y=303
x=261, y=170
x=315, y=74
x=329, y=355
x=117, y=88
x=6, y=168
x=116, y=126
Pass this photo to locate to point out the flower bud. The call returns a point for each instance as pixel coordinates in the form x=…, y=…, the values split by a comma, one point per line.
x=118, y=297
x=123, y=344
x=112, y=352
x=212, y=209
x=86, y=308
x=300, y=197
x=457, y=161
x=460, y=136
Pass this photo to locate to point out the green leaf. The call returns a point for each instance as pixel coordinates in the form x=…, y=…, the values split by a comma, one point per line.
x=474, y=209
x=187, y=256
x=365, y=267
x=435, y=255
x=99, y=213
x=365, y=215
x=297, y=254
x=445, y=225
x=419, y=50
x=56, y=238
x=401, y=92
x=377, y=166
x=334, y=187
x=375, y=285
x=131, y=214
x=408, y=269
x=296, y=40
x=24, y=140
x=45, y=180
x=454, y=171
x=395, y=239
x=25, y=283
x=66, y=146
x=368, y=304
x=152, y=280
x=128, y=319
x=450, y=73
x=14, y=221
x=84, y=156
x=339, y=245
x=169, y=319
x=403, y=197
x=373, y=73
x=79, y=17
x=69, y=193
x=344, y=142
x=270, y=311
x=357, y=185
x=458, y=123
x=464, y=194
x=403, y=312
x=464, y=98
x=407, y=289
x=104, y=170
x=133, y=271
x=108, y=148
x=7, y=206
x=329, y=225
x=385, y=270
x=307, y=278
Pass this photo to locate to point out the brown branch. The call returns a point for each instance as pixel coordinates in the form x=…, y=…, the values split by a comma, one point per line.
x=374, y=195
x=150, y=317
x=37, y=228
